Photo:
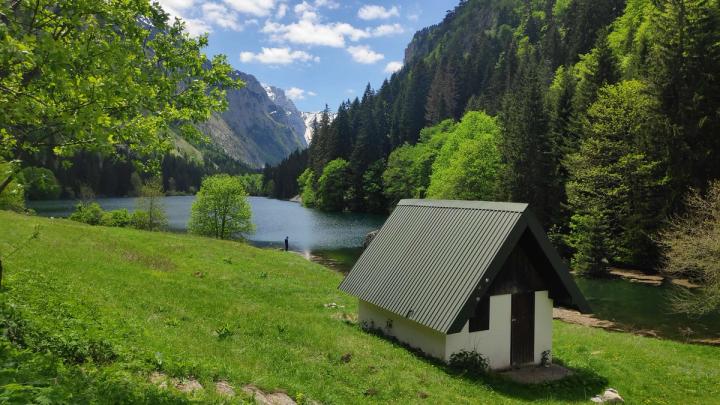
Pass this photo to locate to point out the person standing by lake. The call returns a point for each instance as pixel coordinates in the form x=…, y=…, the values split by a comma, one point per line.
x=286, y=243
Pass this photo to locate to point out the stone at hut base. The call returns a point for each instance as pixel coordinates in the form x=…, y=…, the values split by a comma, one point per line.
x=610, y=396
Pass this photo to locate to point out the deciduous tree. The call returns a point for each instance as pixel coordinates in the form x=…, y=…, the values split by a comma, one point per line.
x=333, y=185
x=692, y=249
x=221, y=209
x=101, y=75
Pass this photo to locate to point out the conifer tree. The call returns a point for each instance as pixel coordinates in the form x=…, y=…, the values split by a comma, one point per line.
x=617, y=180
x=685, y=62
x=526, y=143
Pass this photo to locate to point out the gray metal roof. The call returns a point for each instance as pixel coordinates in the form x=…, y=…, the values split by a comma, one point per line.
x=432, y=257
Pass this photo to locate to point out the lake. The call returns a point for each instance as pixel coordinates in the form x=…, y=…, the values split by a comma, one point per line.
x=335, y=239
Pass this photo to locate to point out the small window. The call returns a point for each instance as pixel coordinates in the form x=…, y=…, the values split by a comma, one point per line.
x=481, y=318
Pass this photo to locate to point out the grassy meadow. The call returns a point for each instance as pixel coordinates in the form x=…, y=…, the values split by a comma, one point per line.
x=89, y=313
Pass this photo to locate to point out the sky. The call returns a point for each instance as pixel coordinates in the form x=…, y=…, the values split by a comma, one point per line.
x=319, y=51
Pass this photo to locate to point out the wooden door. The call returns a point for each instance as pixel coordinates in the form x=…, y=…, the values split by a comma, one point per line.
x=522, y=328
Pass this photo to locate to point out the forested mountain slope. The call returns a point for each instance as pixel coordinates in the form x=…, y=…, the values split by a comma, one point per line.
x=601, y=114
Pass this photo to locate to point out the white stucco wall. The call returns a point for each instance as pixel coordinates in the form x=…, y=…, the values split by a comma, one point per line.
x=418, y=336
x=493, y=343
x=543, y=324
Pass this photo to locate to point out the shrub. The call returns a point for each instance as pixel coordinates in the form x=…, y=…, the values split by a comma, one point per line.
x=140, y=220
x=150, y=213
x=692, y=249
x=469, y=361
x=118, y=218
x=88, y=213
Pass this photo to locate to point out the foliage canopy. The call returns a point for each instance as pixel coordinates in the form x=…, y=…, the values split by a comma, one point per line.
x=221, y=209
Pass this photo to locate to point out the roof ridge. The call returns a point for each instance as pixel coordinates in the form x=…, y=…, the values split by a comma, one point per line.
x=466, y=204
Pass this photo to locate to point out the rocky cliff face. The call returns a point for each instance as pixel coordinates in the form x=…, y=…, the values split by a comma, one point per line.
x=292, y=114
x=257, y=129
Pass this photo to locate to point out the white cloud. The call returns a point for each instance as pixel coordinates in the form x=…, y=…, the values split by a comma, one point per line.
x=373, y=12
x=196, y=26
x=218, y=14
x=309, y=29
x=355, y=34
x=294, y=93
x=387, y=29
x=311, y=93
x=414, y=17
x=308, y=32
x=306, y=12
x=277, y=56
x=332, y=5
x=393, y=67
x=281, y=11
x=176, y=4
x=349, y=91
x=363, y=54
x=260, y=8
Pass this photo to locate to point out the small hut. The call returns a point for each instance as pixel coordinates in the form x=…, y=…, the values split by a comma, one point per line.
x=452, y=276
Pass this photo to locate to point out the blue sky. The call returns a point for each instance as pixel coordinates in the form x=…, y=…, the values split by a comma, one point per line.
x=319, y=51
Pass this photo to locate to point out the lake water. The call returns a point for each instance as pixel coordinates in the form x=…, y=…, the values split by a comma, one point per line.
x=335, y=239
x=310, y=231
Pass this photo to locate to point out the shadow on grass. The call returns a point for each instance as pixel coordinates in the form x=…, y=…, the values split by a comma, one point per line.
x=581, y=385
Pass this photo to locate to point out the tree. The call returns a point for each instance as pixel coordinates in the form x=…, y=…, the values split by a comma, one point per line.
x=253, y=183
x=408, y=171
x=692, y=249
x=468, y=163
x=13, y=196
x=617, y=185
x=442, y=101
x=373, y=186
x=530, y=165
x=39, y=183
x=409, y=167
x=684, y=64
x=306, y=184
x=333, y=185
x=595, y=70
x=89, y=75
x=149, y=208
x=221, y=209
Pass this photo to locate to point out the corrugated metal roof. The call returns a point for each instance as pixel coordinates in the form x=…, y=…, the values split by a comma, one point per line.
x=430, y=258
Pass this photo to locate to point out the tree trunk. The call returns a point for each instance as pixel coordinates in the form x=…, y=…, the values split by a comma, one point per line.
x=6, y=182
x=1, y=274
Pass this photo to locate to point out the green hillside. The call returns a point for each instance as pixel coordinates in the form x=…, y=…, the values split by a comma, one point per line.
x=89, y=313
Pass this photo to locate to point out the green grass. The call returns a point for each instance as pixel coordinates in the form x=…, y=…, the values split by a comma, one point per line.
x=91, y=311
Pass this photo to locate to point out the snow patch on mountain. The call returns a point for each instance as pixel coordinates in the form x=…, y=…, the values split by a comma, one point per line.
x=309, y=117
